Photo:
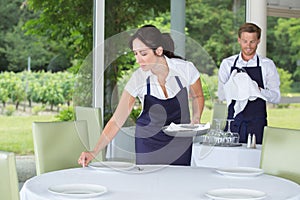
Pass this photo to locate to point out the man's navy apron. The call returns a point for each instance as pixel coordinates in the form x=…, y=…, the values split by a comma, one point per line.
x=152, y=145
x=254, y=117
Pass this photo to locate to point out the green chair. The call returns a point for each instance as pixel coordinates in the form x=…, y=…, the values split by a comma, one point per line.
x=9, y=185
x=94, y=124
x=58, y=145
x=280, y=153
x=219, y=112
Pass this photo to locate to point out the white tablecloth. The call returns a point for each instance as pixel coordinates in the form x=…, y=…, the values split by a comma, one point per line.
x=215, y=156
x=162, y=183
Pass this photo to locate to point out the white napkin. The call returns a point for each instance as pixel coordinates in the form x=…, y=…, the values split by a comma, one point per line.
x=178, y=127
x=241, y=87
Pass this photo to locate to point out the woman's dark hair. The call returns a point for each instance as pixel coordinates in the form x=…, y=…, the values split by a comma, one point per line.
x=153, y=38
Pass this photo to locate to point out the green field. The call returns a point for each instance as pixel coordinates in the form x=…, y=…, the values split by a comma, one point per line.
x=16, y=135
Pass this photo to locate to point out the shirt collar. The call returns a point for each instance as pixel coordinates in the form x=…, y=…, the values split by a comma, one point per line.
x=172, y=71
x=252, y=60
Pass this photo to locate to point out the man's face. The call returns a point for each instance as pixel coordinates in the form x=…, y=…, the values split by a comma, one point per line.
x=248, y=43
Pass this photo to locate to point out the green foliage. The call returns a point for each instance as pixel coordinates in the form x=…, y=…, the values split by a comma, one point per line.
x=37, y=109
x=9, y=110
x=219, y=40
x=283, y=43
x=41, y=87
x=4, y=92
x=9, y=17
x=20, y=46
x=59, y=63
x=209, y=86
x=67, y=21
x=285, y=80
x=66, y=114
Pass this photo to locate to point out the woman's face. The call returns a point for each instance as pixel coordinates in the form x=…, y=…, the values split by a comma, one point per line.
x=144, y=56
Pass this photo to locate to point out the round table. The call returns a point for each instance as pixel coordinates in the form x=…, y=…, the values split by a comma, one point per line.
x=157, y=182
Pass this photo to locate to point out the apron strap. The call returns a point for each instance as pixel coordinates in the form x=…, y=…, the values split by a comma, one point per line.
x=148, y=85
x=179, y=82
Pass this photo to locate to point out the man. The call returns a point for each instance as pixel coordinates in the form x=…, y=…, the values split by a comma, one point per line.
x=253, y=117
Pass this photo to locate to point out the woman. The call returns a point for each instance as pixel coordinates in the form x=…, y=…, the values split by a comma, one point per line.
x=162, y=83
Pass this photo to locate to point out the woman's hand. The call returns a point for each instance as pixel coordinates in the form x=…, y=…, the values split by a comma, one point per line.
x=195, y=120
x=85, y=158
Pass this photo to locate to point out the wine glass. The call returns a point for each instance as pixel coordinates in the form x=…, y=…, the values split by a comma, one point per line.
x=235, y=137
x=228, y=135
x=218, y=134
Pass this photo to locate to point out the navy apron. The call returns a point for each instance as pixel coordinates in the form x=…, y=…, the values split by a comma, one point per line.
x=253, y=118
x=152, y=145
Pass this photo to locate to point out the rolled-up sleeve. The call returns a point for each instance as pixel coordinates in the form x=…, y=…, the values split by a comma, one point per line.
x=271, y=89
x=223, y=76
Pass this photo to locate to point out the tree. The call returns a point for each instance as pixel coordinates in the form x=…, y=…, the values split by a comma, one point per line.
x=68, y=21
x=286, y=44
x=18, y=47
x=219, y=40
x=9, y=17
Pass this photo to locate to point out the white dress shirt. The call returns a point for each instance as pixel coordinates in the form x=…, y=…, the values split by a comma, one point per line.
x=186, y=71
x=271, y=80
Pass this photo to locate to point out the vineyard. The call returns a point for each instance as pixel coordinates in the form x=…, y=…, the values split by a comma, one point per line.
x=40, y=90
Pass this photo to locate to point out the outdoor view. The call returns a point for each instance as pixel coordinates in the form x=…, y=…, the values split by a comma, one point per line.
x=45, y=44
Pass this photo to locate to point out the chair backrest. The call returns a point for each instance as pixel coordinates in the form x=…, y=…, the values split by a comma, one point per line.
x=9, y=185
x=219, y=112
x=58, y=145
x=94, y=124
x=280, y=153
x=122, y=147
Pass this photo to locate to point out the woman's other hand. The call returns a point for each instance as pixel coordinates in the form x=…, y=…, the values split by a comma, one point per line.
x=85, y=158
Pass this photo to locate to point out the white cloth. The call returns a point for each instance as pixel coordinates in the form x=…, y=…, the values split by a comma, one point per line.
x=270, y=76
x=241, y=87
x=156, y=182
x=225, y=157
x=178, y=127
x=186, y=71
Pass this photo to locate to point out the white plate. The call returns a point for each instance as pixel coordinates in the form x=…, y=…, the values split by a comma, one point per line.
x=240, y=171
x=186, y=130
x=112, y=165
x=78, y=190
x=231, y=193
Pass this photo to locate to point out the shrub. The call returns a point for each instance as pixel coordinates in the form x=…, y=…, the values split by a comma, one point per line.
x=66, y=114
x=37, y=109
x=9, y=110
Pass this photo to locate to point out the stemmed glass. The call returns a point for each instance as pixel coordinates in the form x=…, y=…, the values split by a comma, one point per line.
x=235, y=137
x=218, y=134
x=228, y=136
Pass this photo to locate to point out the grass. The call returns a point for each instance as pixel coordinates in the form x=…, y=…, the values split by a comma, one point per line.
x=284, y=117
x=16, y=131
